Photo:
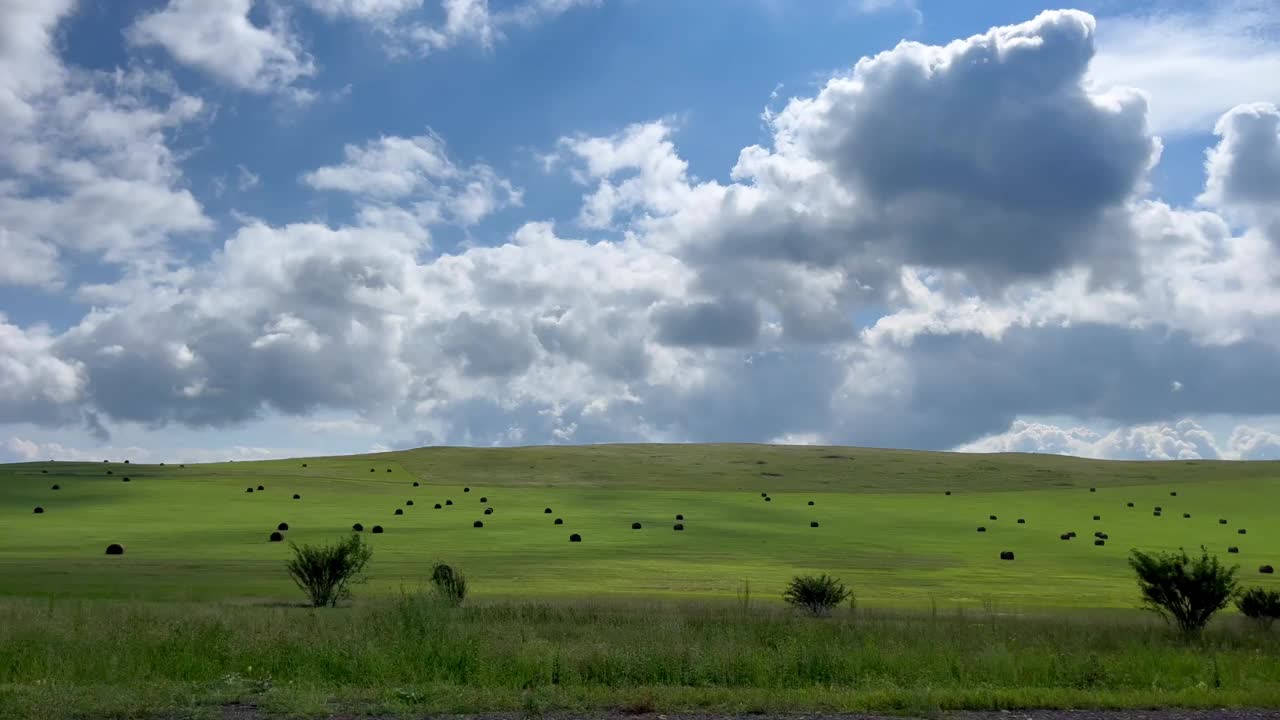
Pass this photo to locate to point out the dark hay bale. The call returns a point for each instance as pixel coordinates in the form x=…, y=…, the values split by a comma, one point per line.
x=981, y=529
x=1186, y=515
x=109, y=472
x=1103, y=536
x=125, y=479
x=1266, y=570
x=1022, y=521
x=484, y=499
x=408, y=502
x=1006, y=554
x=466, y=489
x=546, y=511
x=297, y=496
x=1173, y=493
x=304, y=464
x=115, y=549
x=248, y=490
x=38, y=510
x=811, y=502
x=388, y=469
x=182, y=466
x=813, y=523
x=377, y=530
x=488, y=511
x=126, y=462
x=1097, y=517
x=1064, y=536
x=448, y=502
x=1159, y=509
x=1128, y=504
x=372, y=470
x=399, y=511
x=282, y=526
x=161, y=464
x=260, y=488
x=948, y=492
x=276, y=537
x=477, y=524
x=358, y=527
x=635, y=526
x=438, y=506
x=1155, y=513
x=1099, y=542
x=415, y=483
x=680, y=517
x=1222, y=521
x=575, y=538
x=991, y=517
x=1072, y=533
x=56, y=487
x=678, y=527
x=559, y=521
x=44, y=472
x=764, y=494
x=768, y=499
x=1233, y=549
x=1093, y=489
x=1241, y=531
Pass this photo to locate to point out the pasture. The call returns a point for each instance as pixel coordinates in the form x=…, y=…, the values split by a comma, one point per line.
x=885, y=523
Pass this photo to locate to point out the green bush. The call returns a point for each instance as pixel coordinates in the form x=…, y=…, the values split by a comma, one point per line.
x=450, y=585
x=1184, y=591
x=1260, y=605
x=816, y=594
x=326, y=572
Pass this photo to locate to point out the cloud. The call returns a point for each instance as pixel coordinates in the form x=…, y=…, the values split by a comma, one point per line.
x=1185, y=440
x=218, y=38
x=1244, y=167
x=32, y=451
x=1193, y=64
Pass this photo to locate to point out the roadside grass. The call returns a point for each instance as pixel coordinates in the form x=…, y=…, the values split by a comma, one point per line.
x=410, y=654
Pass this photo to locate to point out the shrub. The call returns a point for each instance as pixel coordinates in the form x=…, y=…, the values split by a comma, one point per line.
x=1006, y=554
x=297, y=496
x=449, y=584
x=399, y=511
x=1233, y=549
x=282, y=526
x=981, y=529
x=358, y=527
x=326, y=572
x=1184, y=591
x=488, y=511
x=816, y=595
x=813, y=523
x=1266, y=570
x=38, y=510
x=559, y=521
x=635, y=526
x=575, y=538
x=376, y=530
x=477, y=524
x=126, y=462
x=276, y=537
x=115, y=549
x=1260, y=605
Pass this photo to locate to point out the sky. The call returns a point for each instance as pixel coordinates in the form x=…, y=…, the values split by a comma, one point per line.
x=241, y=229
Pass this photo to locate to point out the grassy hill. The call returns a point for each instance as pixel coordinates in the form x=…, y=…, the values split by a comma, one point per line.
x=885, y=522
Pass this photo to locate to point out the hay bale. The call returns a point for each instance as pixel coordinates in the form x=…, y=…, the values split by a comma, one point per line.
x=276, y=537
x=1103, y=536
x=1006, y=554
x=1233, y=549
x=282, y=526
x=1173, y=493
x=296, y=496
x=1266, y=570
x=488, y=511
x=981, y=529
x=768, y=499
x=388, y=469
x=764, y=494
x=448, y=502
x=678, y=527
x=1128, y=504
x=44, y=472
x=1159, y=509
x=1022, y=521
x=115, y=549
x=260, y=488
x=1155, y=513
x=399, y=511
x=377, y=530
x=477, y=524
x=575, y=538
x=38, y=510
x=182, y=466
x=408, y=502
x=1099, y=542
x=1097, y=517
x=991, y=517
x=1072, y=533
x=304, y=464
x=1222, y=521
x=635, y=526
x=811, y=502
x=125, y=479
x=438, y=506
x=415, y=483
x=546, y=511
x=1064, y=536
x=948, y=492
x=466, y=489
x=56, y=487
x=372, y=470
x=126, y=462
x=358, y=527
x=1241, y=531
x=109, y=472
x=484, y=499
x=1186, y=515
x=559, y=521
x=1093, y=489
x=813, y=523
x=680, y=516
x=248, y=490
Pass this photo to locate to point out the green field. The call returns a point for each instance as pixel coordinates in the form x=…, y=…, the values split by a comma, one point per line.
x=886, y=526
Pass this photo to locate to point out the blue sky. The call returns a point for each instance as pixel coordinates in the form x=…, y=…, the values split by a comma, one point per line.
x=248, y=228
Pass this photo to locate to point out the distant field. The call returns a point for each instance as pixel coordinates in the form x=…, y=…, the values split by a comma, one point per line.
x=886, y=525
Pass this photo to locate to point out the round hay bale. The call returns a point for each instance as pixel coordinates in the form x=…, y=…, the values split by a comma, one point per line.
x=388, y=469
x=813, y=523
x=377, y=530
x=477, y=524
x=1159, y=509
x=1072, y=533
x=1093, y=489
x=484, y=499
x=438, y=506
x=304, y=464
x=1103, y=536
x=44, y=472
x=126, y=462
x=546, y=511
x=1233, y=550
x=1064, y=536
x=1099, y=542
x=125, y=479
x=1173, y=493
x=415, y=483
x=1097, y=517
x=488, y=511
x=115, y=549
x=1266, y=570
x=764, y=494
x=408, y=503
x=372, y=470
x=296, y=496
x=38, y=510
x=358, y=527
x=56, y=487
x=276, y=537
x=248, y=490
x=466, y=489
x=991, y=517
x=1022, y=521
x=1128, y=504
x=678, y=527
x=1222, y=521
x=448, y=502
x=282, y=526
x=1155, y=513
x=559, y=521
x=1006, y=554
x=1186, y=515
x=399, y=511
x=109, y=472
x=1241, y=531
x=635, y=526
x=260, y=488
x=680, y=516
x=575, y=538
x=768, y=499
x=981, y=529
x=948, y=492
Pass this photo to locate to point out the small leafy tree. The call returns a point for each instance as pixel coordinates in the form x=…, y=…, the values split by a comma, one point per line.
x=449, y=584
x=816, y=594
x=326, y=572
x=1260, y=605
x=1184, y=591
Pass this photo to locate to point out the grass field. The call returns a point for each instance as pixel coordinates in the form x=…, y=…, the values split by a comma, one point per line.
x=886, y=526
